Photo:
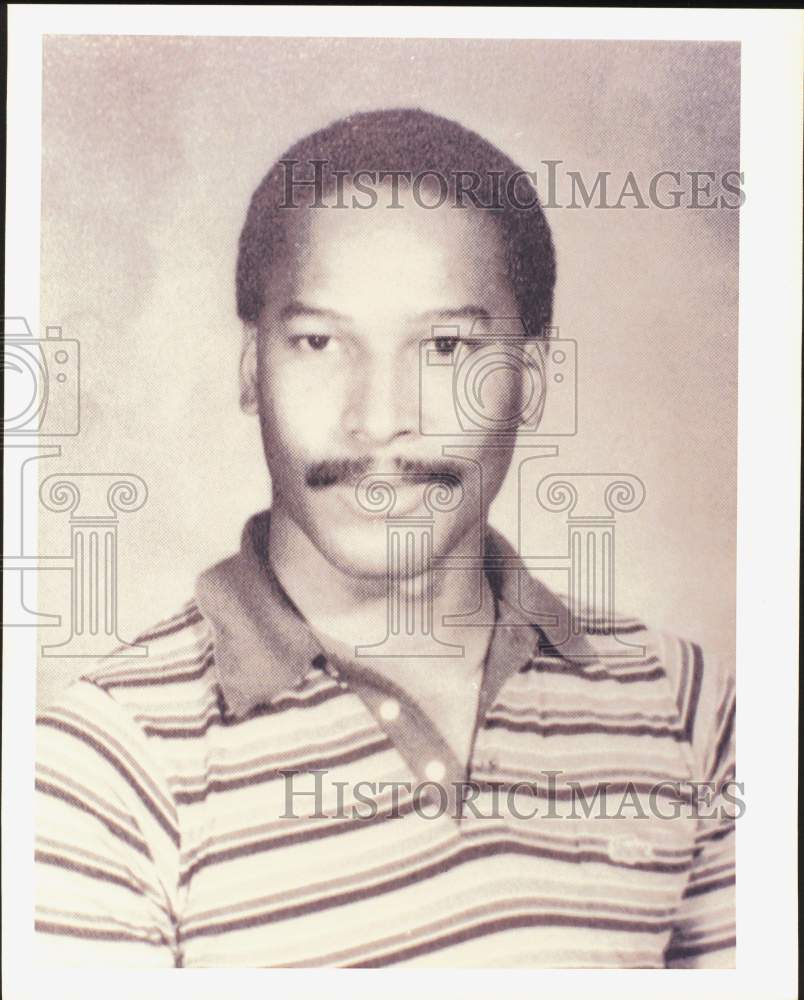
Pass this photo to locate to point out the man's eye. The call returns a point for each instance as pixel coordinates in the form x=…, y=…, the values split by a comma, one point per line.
x=313, y=341
x=448, y=345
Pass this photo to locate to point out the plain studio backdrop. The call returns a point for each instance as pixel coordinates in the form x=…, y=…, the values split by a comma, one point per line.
x=151, y=150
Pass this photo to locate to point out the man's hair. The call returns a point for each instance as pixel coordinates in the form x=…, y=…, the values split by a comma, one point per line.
x=415, y=143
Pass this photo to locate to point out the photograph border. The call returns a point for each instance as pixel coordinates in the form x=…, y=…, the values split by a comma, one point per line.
x=768, y=473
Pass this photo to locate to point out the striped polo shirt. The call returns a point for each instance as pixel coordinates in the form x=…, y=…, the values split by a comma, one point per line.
x=244, y=797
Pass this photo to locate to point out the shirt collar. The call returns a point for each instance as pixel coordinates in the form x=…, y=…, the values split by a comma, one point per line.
x=263, y=644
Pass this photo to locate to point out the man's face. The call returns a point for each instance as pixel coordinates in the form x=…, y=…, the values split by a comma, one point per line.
x=334, y=370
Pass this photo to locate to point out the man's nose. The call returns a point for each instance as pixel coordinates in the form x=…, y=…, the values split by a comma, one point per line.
x=383, y=403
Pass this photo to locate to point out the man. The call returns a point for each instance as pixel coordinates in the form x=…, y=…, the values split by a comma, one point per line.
x=372, y=738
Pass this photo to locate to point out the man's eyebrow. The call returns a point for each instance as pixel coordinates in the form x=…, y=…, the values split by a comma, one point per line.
x=461, y=312
x=294, y=309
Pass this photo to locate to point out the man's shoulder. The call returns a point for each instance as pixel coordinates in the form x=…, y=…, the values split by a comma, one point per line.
x=626, y=644
x=691, y=678
x=168, y=664
x=114, y=740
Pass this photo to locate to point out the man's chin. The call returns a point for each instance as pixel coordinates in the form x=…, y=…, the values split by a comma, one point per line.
x=357, y=551
x=359, y=544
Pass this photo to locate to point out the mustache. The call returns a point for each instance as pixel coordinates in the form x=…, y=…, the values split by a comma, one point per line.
x=348, y=471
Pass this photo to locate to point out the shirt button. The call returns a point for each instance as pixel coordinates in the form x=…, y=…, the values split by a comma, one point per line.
x=389, y=709
x=435, y=770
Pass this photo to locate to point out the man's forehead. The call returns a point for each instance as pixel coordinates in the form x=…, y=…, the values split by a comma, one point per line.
x=405, y=251
x=382, y=205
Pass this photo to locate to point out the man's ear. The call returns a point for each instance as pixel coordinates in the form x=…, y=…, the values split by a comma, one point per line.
x=534, y=382
x=248, y=370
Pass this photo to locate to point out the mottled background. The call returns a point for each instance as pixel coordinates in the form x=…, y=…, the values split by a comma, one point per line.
x=151, y=149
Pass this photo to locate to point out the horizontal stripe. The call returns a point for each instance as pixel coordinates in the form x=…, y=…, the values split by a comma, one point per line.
x=324, y=762
x=580, y=729
x=200, y=665
x=326, y=828
x=497, y=926
x=700, y=889
x=582, y=713
x=545, y=667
